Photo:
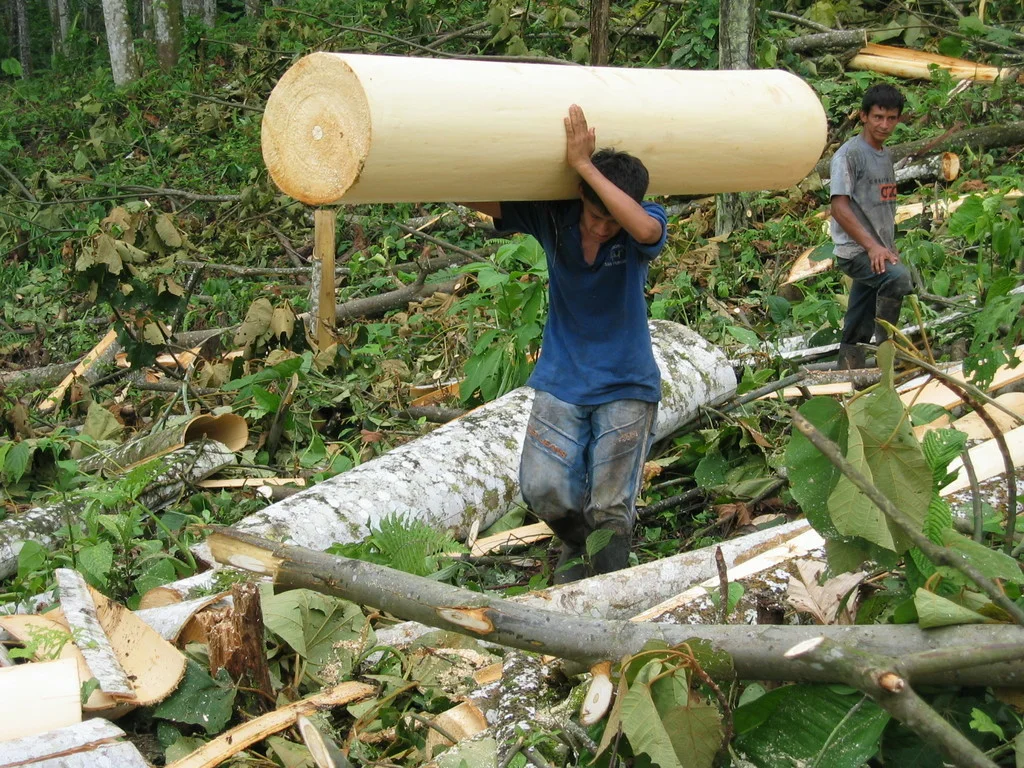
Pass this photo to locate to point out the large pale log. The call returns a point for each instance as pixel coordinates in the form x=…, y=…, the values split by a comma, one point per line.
x=361, y=129
x=467, y=470
x=35, y=698
x=758, y=652
x=59, y=742
x=914, y=64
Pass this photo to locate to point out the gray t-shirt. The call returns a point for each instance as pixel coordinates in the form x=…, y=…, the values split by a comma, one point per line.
x=866, y=175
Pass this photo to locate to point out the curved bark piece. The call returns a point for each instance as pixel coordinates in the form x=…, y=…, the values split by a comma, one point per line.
x=758, y=652
x=468, y=469
x=360, y=129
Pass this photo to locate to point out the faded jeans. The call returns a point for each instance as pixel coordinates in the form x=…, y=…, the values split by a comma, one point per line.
x=582, y=465
x=868, y=287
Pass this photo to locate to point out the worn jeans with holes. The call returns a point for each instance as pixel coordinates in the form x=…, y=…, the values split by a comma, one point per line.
x=894, y=283
x=582, y=465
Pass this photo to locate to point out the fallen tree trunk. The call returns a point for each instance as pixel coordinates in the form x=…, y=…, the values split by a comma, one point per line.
x=821, y=41
x=467, y=470
x=757, y=652
x=988, y=137
x=192, y=463
x=943, y=167
x=916, y=65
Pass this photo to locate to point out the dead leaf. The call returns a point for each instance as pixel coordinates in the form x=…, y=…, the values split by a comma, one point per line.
x=822, y=601
x=369, y=437
x=738, y=513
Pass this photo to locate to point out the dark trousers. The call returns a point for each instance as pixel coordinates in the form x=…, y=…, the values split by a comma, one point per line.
x=868, y=287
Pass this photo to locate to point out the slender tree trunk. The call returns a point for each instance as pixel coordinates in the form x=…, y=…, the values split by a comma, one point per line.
x=599, y=13
x=123, y=63
x=735, y=51
x=24, y=47
x=63, y=23
x=254, y=8
x=167, y=26
x=144, y=20
x=210, y=13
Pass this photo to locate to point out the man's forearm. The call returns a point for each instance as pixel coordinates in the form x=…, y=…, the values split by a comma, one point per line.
x=845, y=217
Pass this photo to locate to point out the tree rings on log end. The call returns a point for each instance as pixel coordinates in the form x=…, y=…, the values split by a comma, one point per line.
x=316, y=129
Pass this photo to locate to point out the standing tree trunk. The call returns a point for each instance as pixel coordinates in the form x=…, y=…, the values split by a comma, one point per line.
x=735, y=51
x=63, y=23
x=24, y=48
x=119, y=42
x=599, y=13
x=253, y=8
x=209, y=13
x=167, y=26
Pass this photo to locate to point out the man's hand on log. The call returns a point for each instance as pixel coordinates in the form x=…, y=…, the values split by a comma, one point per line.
x=580, y=141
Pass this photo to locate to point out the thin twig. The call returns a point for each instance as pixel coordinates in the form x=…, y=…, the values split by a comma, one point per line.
x=723, y=586
x=17, y=182
x=972, y=477
x=443, y=243
x=935, y=553
x=432, y=725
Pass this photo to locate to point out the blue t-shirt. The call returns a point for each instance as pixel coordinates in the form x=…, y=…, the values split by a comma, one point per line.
x=597, y=345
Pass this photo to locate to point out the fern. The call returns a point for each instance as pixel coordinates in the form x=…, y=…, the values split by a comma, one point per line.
x=937, y=519
x=940, y=447
x=412, y=546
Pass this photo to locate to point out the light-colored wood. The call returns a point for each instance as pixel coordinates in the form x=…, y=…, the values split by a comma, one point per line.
x=50, y=631
x=461, y=721
x=937, y=393
x=324, y=751
x=526, y=534
x=250, y=482
x=179, y=591
x=80, y=613
x=120, y=755
x=323, y=259
x=55, y=397
x=435, y=395
x=171, y=620
x=39, y=697
x=974, y=426
x=79, y=737
x=914, y=64
x=232, y=742
x=816, y=390
x=987, y=460
x=154, y=666
x=397, y=129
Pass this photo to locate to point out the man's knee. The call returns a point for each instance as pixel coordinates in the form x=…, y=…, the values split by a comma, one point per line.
x=897, y=284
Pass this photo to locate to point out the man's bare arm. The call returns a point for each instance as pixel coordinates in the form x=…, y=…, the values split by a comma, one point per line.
x=878, y=254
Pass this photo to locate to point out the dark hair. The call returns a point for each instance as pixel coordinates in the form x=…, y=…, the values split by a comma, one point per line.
x=623, y=170
x=882, y=95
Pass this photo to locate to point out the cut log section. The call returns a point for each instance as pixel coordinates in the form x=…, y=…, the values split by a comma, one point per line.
x=174, y=622
x=40, y=697
x=60, y=742
x=120, y=755
x=974, y=426
x=87, y=362
x=80, y=614
x=232, y=742
x=987, y=460
x=384, y=129
x=915, y=65
x=944, y=167
x=929, y=390
x=468, y=470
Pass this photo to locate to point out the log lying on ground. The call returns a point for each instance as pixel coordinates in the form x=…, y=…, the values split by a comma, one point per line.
x=821, y=41
x=40, y=524
x=60, y=742
x=757, y=652
x=942, y=167
x=916, y=65
x=35, y=698
x=467, y=470
x=360, y=129
x=624, y=594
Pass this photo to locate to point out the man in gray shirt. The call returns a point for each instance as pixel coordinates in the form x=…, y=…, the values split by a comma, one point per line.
x=863, y=228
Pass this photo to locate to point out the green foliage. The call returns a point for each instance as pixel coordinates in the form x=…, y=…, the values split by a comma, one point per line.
x=200, y=700
x=413, y=546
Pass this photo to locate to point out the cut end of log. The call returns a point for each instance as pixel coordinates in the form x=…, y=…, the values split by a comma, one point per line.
x=891, y=682
x=950, y=166
x=316, y=129
x=228, y=549
x=599, y=695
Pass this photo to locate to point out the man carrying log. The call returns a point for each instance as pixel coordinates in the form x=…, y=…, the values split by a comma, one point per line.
x=597, y=384
x=863, y=228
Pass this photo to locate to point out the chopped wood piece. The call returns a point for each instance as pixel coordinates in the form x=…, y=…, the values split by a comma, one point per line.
x=120, y=755
x=80, y=613
x=178, y=591
x=526, y=534
x=232, y=742
x=250, y=482
x=172, y=621
x=325, y=753
x=55, y=397
x=974, y=426
x=914, y=64
x=987, y=460
x=935, y=392
x=79, y=737
x=39, y=697
x=461, y=721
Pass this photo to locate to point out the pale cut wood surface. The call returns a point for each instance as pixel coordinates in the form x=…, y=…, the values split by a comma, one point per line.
x=55, y=397
x=38, y=697
x=937, y=393
x=525, y=534
x=58, y=742
x=366, y=129
x=80, y=614
x=171, y=620
x=121, y=755
x=987, y=460
x=914, y=64
x=238, y=738
x=974, y=426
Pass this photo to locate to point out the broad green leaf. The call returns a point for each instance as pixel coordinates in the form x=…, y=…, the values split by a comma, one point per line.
x=790, y=725
x=643, y=726
x=17, y=460
x=95, y=562
x=100, y=424
x=200, y=700
x=156, y=573
x=695, y=732
x=926, y=413
x=992, y=563
x=744, y=335
x=311, y=623
x=598, y=540
x=812, y=477
x=983, y=723
x=936, y=611
x=31, y=557
x=711, y=471
x=290, y=754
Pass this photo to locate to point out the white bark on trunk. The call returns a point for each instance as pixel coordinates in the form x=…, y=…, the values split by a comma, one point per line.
x=123, y=63
x=210, y=13
x=361, y=129
x=63, y=22
x=61, y=741
x=24, y=43
x=121, y=755
x=467, y=470
x=167, y=29
x=942, y=167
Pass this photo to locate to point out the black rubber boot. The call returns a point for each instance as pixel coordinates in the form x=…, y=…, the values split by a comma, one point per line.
x=614, y=556
x=573, y=535
x=887, y=309
x=851, y=356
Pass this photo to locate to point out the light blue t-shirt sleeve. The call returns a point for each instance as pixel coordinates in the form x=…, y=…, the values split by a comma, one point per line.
x=651, y=250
